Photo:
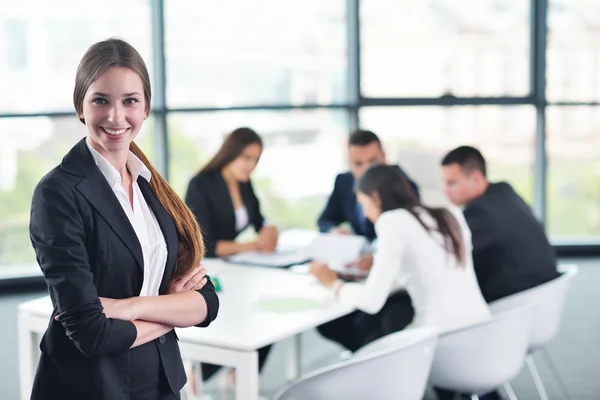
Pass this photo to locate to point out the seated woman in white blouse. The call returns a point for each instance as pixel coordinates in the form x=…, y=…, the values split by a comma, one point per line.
x=426, y=251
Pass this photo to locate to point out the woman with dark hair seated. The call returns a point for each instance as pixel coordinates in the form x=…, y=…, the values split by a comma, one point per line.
x=423, y=252
x=223, y=200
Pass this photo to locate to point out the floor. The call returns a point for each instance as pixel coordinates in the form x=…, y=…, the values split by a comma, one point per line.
x=574, y=351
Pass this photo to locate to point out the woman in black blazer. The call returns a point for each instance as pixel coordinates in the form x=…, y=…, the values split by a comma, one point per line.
x=117, y=295
x=223, y=201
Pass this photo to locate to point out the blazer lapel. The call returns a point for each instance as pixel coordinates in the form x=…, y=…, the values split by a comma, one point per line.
x=227, y=206
x=167, y=226
x=98, y=192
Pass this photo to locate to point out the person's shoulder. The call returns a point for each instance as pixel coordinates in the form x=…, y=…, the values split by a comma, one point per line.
x=204, y=178
x=344, y=181
x=56, y=181
x=500, y=187
x=495, y=192
x=344, y=177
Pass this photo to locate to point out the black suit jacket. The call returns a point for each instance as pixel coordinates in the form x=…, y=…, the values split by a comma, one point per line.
x=511, y=252
x=87, y=249
x=342, y=203
x=209, y=199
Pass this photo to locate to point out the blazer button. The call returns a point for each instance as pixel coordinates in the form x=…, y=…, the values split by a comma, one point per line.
x=161, y=339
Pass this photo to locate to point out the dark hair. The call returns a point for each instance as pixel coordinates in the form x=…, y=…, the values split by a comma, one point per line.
x=394, y=192
x=233, y=145
x=118, y=53
x=363, y=138
x=469, y=158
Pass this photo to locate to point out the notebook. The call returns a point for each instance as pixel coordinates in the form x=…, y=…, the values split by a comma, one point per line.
x=277, y=259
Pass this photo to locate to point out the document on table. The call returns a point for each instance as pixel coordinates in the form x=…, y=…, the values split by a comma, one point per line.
x=338, y=251
x=276, y=259
x=289, y=304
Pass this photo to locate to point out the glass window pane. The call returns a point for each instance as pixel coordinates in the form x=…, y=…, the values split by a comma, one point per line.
x=418, y=138
x=573, y=148
x=41, y=46
x=304, y=150
x=429, y=48
x=235, y=52
x=573, y=51
x=31, y=147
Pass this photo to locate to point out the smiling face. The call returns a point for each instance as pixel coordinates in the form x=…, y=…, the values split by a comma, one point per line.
x=114, y=110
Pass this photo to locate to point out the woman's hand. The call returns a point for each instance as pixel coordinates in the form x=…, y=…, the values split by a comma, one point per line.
x=193, y=280
x=267, y=239
x=324, y=275
x=124, y=309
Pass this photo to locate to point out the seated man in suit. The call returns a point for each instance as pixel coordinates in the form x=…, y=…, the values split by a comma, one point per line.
x=511, y=252
x=364, y=149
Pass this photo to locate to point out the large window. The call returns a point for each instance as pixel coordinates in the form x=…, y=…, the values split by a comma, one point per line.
x=573, y=50
x=424, y=134
x=430, y=75
x=422, y=48
x=303, y=151
x=236, y=52
x=573, y=146
x=42, y=42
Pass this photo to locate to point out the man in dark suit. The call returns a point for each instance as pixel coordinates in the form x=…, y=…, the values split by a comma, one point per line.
x=364, y=149
x=511, y=252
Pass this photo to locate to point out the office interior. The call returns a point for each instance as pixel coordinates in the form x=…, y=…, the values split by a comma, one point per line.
x=518, y=79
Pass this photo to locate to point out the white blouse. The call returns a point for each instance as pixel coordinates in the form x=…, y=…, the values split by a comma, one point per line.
x=141, y=217
x=444, y=295
x=241, y=219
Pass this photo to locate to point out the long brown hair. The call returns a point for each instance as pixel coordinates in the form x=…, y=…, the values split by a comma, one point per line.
x=395, y=192
x=117, y=53
x=233, y=145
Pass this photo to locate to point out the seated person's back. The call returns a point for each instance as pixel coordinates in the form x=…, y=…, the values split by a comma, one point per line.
x=511, y=252
x=443, y=290
x=426, y=251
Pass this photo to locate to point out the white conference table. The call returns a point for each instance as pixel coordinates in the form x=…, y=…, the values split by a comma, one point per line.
x=241, y=328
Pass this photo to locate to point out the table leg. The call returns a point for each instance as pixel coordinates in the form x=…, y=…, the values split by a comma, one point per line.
x=293, y=357
x=246, y=380
x=28, y=355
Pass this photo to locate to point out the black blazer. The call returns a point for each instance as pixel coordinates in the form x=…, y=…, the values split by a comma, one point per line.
x=87, y=249
x=209, y=199
x=341, y=206
x=511, y=252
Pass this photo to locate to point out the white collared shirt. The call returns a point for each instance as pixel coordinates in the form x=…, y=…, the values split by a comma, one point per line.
x=141, y=217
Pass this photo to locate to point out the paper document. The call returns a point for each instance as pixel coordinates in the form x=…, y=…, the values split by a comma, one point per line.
x=289, y=304
x=337, y=250
x=276, y=259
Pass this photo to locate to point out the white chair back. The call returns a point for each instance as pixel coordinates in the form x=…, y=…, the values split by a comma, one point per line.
x=549, y=300
x=480, y=358
x=394, y=367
